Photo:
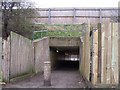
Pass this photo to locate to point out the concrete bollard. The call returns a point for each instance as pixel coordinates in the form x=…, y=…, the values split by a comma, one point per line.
x=47, y=73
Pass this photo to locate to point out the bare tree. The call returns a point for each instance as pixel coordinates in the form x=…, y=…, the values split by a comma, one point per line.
x=16, y=17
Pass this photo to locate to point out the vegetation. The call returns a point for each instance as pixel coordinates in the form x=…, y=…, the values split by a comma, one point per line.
x=40, y=34
x=67, y=33
x=58, y=27
x=58, y=30
x=16, y=18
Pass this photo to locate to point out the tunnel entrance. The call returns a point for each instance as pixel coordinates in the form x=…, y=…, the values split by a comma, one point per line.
x=64, y=58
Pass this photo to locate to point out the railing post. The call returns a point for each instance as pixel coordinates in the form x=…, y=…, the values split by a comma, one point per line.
x=74, y=16
x=49, y=16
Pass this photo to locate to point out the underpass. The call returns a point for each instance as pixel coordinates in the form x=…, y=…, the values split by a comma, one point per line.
x=99, y=62
x=64, y=53
x=64, y=57
x=67, y=58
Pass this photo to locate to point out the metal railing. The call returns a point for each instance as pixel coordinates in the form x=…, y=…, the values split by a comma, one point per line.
x=40, y=34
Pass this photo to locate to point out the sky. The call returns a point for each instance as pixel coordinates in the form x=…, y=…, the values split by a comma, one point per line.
x=75, y=3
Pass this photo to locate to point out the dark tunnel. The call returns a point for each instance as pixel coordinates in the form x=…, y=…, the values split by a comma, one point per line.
x=64, y=58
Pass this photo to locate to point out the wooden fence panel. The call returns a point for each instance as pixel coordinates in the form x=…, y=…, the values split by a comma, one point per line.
x=22, y=60
x=6, y=60
x=108, y=65
x=109, y=54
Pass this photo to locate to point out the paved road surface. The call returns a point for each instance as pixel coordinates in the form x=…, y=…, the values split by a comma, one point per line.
x=60, y=79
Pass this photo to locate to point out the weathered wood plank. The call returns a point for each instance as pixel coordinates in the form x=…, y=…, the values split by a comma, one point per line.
x=109, y=53
x=114, y=54
x=95, y=57
x=103, y=57
x=87, y=51
x=104, y=47
x=6, y=60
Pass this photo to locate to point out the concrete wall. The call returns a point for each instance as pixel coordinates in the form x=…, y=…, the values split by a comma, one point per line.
x=53, y=58
x=85, y=56
x=22, y=56
x=41, y=52
x=64, y=41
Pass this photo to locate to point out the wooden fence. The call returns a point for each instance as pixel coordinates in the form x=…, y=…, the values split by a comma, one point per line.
x=109, y=53
x=18, y=57
x=100, y=63
x=99, y=58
